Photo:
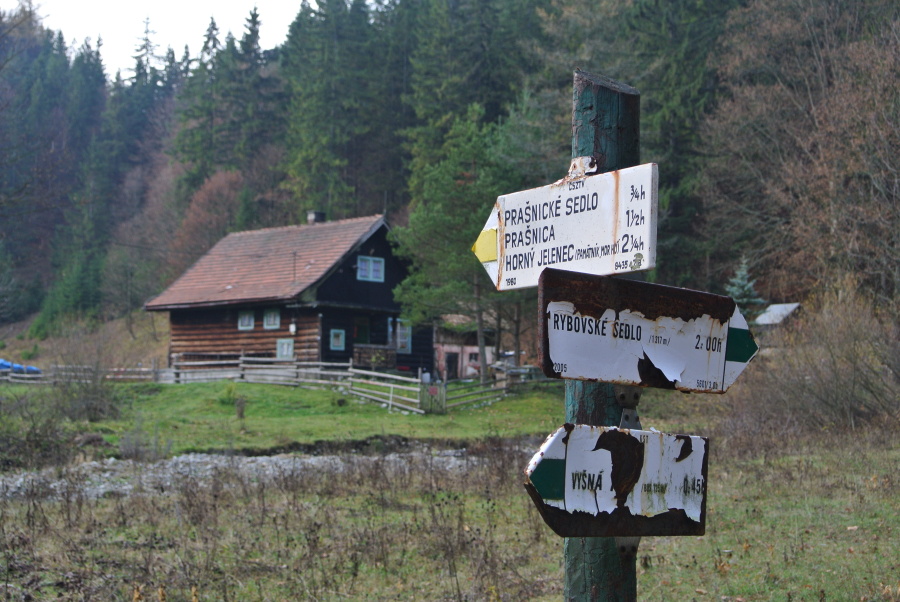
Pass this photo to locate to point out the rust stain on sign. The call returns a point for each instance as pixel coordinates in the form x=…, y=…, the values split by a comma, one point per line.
x=590, y=481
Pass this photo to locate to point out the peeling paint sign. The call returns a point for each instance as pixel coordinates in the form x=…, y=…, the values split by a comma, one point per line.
x=590, y=481
x=637, y=333
x=594, y=224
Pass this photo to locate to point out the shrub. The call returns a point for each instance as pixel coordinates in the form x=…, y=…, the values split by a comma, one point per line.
x=30, y=354
x=836, y=367
x=33, y=433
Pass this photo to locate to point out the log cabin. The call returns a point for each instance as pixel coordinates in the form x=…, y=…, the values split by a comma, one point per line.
x=320, y=292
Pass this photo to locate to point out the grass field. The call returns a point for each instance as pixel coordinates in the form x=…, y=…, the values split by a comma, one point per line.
x=204, y=417
x=810, y=517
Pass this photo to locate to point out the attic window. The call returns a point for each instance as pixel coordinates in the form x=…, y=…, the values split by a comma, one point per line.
x=245, y=320
x=370, y=269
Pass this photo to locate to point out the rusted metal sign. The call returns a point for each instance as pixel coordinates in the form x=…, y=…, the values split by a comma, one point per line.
x=637, y=333
x=595, y=224
x=592, y=481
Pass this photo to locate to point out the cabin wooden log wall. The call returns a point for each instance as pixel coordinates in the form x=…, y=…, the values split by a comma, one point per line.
x=215, y=331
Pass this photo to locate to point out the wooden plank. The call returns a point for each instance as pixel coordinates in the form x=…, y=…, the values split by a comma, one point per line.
x=416, y=410
x=381, y=384
x=485, y=398
x=382, y=375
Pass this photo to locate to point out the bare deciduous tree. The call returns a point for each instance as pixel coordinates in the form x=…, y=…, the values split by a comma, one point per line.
x=807, y=174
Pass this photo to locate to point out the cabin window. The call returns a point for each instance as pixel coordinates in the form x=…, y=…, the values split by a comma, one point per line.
x=337, y=339
x=404, y=336
x=285, y=349
x=272, y=319
x=370, y=269
x=245, y=320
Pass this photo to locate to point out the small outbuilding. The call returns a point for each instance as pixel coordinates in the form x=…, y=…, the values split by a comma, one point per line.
x=320, y=292
x=776, y=314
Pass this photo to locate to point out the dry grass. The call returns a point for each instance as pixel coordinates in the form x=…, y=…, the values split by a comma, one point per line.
x=376, y=530
x=813, y=519
x=111, y=343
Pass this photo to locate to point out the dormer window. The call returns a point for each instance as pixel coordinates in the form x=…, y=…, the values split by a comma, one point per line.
x=370, y=269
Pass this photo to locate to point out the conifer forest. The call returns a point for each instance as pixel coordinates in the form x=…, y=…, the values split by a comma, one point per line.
x=775, y=124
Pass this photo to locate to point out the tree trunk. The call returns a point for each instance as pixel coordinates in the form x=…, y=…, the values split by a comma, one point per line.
x=479, y=324
x=517, y=331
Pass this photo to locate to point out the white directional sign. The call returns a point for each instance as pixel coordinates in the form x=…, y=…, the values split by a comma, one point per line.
x=594, y=224
x=638, y=333
x=603, y=481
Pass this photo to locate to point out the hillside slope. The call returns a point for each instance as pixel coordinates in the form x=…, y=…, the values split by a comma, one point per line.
x=109, y=344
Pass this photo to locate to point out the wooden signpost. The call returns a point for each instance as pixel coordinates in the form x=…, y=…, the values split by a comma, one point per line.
x=601, y=481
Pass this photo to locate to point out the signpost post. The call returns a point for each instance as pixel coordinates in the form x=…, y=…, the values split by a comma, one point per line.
x=606, y=130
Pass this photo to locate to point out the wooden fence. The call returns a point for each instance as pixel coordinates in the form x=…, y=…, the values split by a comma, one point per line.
x=459, y=394
x=261, y=370
x=411, y=394
x=401, y=392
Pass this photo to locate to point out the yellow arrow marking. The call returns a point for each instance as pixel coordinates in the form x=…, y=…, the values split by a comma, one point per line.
x=485, y=248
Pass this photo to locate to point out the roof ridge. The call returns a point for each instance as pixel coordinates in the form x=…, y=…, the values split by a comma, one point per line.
x=372, y=218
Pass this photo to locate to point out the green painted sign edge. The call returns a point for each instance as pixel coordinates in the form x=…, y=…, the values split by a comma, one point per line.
x=741, y=346
x=549, y=478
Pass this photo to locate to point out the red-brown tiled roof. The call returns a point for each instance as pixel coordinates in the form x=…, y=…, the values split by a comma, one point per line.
x=265, y=265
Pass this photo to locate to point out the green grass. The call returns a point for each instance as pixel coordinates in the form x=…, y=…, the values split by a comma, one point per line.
x=811, y=524
x=202, y=417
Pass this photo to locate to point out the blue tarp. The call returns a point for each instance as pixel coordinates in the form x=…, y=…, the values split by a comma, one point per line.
x=18, y=368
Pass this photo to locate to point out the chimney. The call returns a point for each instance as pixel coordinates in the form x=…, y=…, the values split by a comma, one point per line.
x=315, y=217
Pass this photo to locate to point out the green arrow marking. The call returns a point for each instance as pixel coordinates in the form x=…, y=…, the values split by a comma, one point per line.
x=741, y=346
x=549, y=478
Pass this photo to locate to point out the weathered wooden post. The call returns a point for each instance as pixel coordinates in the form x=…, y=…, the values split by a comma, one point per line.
x=606, y=129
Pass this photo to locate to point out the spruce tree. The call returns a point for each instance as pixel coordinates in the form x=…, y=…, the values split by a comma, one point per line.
x=325, y=64
x=741, y=288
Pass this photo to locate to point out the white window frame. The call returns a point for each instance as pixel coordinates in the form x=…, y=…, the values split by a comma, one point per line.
x=243, y=322
x=404, y=337
x=268, y=322
x=337, y=339
x=370, y=269
x=284, y=349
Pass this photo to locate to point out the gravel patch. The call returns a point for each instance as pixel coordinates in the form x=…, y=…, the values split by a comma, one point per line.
x=113, y=477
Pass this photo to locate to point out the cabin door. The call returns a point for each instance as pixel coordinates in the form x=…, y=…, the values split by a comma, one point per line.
x=452, y=364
